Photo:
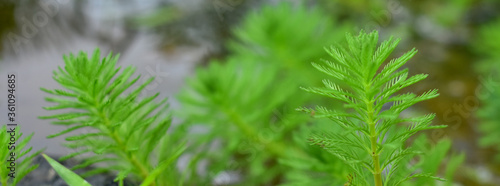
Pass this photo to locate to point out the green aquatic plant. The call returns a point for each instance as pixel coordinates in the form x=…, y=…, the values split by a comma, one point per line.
x=445, y=13
x=287, y=35
x=160, y=16
x=127, y=133
x=320, y=168
x=370, y=142
x=431, y=158
x=246, y=101
x=243, y=107
x=16, y=163
x=488, y=67
x=489, y=126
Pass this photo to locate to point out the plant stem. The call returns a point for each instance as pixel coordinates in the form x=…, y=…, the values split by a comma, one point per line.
x=375, y=156
x=275, y=147
x=373, y=140
x=130, y=157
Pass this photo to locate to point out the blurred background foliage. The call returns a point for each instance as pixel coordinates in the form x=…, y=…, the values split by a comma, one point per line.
x=489, y=65
x=238, y=105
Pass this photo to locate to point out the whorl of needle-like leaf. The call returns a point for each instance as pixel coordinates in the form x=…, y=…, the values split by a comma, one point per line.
x=369, y=85
x=125, y=129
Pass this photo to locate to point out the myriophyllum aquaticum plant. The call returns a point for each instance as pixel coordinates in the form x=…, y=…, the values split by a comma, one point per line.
x=371, y=142
x=16, y=161
x=487, y=46
x=128, y=133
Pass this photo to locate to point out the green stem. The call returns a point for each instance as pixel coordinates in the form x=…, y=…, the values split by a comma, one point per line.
x=375, y=156
x=377, y=177
x=144, y=173
x=277, y=148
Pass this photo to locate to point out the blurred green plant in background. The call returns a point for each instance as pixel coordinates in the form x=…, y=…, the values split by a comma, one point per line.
x=487, y=46
x=247, y=101
x=444, y=13
x=288, y=36
x=239, y=103
x=432, y=157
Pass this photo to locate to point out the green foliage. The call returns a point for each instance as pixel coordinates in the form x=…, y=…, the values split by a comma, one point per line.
x=321, y=168
x=23, y=161
x=287, y=35
x=355, y=8
x=488, y=67
x=246, y=102
x=370, y=141
x=241, y=104
x=67, y=175
x=446, y=13
x=488, y=114
x=161, y=16
x=450, y=13
x=126, y=132
x=486, y=47
x=432, y=157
